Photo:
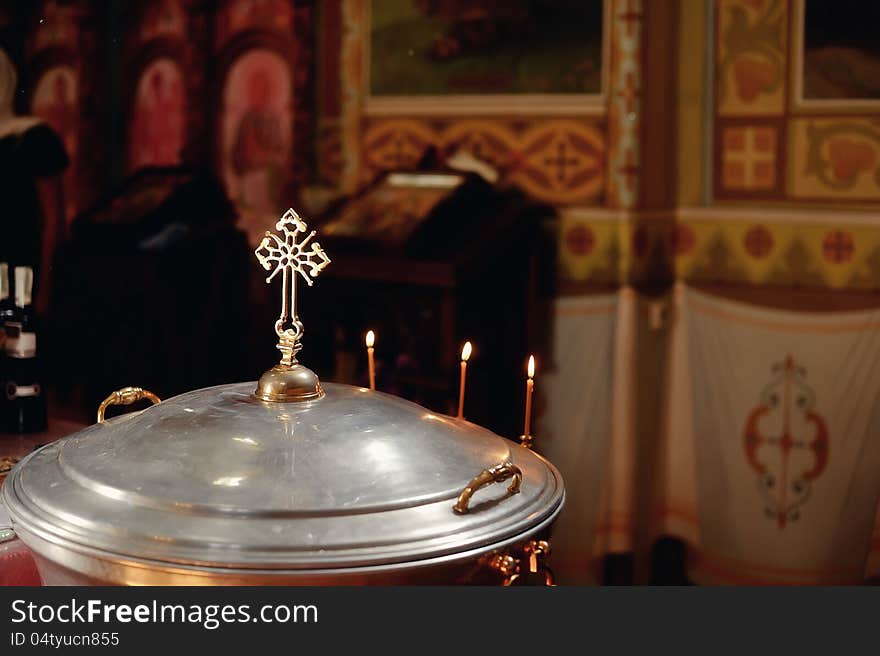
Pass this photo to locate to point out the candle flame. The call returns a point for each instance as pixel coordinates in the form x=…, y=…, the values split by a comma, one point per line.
x=371, y=338
x=466, y=351
x=531, y=369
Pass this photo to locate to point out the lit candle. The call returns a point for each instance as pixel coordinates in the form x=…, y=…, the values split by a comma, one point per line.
x=371, y=339
x=465, y=354
x=530, y=386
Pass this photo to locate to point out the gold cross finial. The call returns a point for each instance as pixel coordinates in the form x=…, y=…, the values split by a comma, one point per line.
x=288, y=252
x=289, y=256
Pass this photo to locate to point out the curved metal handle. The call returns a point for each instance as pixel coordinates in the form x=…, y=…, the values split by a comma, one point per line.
x=125, y=396
x=511, y=568
x=496, y=474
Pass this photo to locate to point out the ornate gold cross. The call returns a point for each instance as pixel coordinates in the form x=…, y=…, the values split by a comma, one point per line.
x=287, y=255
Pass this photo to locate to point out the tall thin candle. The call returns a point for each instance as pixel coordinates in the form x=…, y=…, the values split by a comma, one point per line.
x=371, y=339
x=530, y=387
x=465, y=354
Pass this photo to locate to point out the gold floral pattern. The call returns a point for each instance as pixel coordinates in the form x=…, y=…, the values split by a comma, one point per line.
x=835, y=158
x=751, y=56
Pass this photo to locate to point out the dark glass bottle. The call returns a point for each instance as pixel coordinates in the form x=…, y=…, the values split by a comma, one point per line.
x=5, y=313
x=6, y=306
x=24, y=408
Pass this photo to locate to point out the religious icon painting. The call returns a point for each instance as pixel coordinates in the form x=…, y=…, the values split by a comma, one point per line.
x=238, y=16
x=836, y=55
x=255, y=136
x=485, y=56
x=58, y=26
x=156, y=129
x=55, y=100
x=165, y=18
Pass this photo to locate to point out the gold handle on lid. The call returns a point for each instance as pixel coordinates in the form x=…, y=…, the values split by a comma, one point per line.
x=125, y=396
x=497, y=474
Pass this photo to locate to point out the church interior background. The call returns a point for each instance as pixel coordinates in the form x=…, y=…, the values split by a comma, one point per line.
x=673, y=205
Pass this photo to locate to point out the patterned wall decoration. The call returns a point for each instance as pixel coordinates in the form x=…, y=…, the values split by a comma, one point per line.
x=590, y=247
x=766, y=147
x=750, y=67
x=815, y=250
x=491, y=141
x=835, y=158
x=750, y=57
x=750, y=156
x=769, y=144
x=610, y=247
x=560, y=161
x=803, y=249
x=395, y=144
x=625, y=103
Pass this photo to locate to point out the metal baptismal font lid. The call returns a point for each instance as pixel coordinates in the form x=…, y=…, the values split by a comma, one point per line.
x=284, y=474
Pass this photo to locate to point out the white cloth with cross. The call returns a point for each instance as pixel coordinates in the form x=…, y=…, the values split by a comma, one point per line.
x=772, y=441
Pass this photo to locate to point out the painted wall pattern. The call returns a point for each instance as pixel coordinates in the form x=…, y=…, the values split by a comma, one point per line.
x=590, y=247
x=624, y=111
x=835, y=158
x=823, y=151
x=776, y=248
x=749, y=158
x=559, y=161
x=751, y=38
x=787, y=253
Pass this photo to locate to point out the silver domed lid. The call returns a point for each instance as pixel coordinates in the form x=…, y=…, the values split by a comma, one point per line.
x=216, y=477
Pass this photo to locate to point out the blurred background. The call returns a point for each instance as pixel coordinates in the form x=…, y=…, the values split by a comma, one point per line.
x=673, y=205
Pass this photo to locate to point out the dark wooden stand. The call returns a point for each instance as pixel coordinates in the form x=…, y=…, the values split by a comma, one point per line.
x=474, y=278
